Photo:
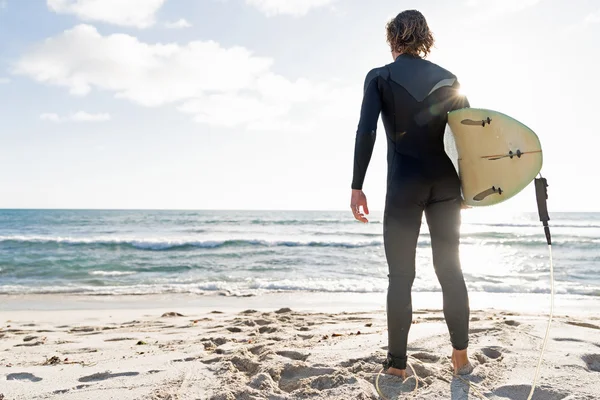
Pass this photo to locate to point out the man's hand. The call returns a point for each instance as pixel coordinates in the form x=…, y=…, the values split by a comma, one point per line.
x=357, y=200
x=464, y=206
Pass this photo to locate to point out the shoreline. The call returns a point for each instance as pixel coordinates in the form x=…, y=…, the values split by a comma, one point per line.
x=523, y=303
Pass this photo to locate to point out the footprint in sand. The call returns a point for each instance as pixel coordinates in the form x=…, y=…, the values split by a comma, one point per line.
x=83, y=329
x=306, y=337
x=511, y=322
x=592, y=361
x=332, y=381
x=423, y=370
x=522, y=391
x=267, y=329
x=256, y=350
x=263, y=382
x=23, y=376
x=293, y=375
x=583, y=324
x=492, y=352
x=374, y=359
x=294, y=355
x=37, y=343
x=119, y=339
x=220, y=341
x=558, y=339
x=245, y=364
x=480, y=330
x=426, y=357
x=102, y=376
x=171, y=314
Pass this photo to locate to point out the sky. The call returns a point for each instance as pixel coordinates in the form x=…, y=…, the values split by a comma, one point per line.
x=254, y=104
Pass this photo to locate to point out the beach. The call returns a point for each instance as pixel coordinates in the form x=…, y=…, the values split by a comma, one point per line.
x=223, y=305
x=285, y=346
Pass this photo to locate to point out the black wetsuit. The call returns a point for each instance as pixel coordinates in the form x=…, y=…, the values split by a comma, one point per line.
x=413, y=97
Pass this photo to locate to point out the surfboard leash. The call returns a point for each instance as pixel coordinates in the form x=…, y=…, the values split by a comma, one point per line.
x=541, y=194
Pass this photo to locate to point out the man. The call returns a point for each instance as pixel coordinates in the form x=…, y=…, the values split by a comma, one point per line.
x=413, y=97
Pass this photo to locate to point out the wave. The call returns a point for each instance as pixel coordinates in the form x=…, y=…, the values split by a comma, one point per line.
x=158, y=245
x=284, y=286
x=281, y=221
x=109, y=243
x=111, y=273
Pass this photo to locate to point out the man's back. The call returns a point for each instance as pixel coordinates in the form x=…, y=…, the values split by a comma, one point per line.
x=415, y=96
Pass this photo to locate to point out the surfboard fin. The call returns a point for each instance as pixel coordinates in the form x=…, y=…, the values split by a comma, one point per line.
x=486, y=193
x=471, y=122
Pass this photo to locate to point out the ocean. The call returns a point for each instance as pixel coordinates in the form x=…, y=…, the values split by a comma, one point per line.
x=241, y=253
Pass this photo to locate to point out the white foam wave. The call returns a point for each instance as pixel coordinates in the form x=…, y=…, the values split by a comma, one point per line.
x=261, y=287
x=111, y=273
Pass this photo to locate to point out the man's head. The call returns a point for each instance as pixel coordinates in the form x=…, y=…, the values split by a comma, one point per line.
x=409, y=33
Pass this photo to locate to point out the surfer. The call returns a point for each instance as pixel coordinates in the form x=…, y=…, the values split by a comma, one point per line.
x=413, y=97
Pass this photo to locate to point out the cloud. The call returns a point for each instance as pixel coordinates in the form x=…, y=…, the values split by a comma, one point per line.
x=181, y=24
x=80, y=116
x=135, y=13
x=295, y=8
x=494, y=8
x=215, y=85
x=583, y=24
x=3, y=4
x=593, y=18
x=50, y=117
x=4, y=81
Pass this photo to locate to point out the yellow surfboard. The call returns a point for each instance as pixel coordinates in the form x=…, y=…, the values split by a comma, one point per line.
x=495, y=155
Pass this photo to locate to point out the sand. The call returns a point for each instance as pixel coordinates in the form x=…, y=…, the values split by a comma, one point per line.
x=257, y=349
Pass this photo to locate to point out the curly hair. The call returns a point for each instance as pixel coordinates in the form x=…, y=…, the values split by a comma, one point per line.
x=409, y=33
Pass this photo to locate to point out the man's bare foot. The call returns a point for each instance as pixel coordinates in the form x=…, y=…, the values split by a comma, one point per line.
x=460, y=362
x=397, y=372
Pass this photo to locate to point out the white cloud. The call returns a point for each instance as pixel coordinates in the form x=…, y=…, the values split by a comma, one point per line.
x=181, y=24
x=136, y=13
x=3, y=4
x=290, y=7
x=80, y=116
x=580, y=26
x=493, y=8
x=216, y=85
x=593, y=18
x=4, y=81
x=230, y=109
x=50, y=117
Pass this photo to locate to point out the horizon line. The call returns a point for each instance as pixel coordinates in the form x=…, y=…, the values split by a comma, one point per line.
x=248, y=209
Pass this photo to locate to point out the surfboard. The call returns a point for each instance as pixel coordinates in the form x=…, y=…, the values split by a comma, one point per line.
x=495, y=155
